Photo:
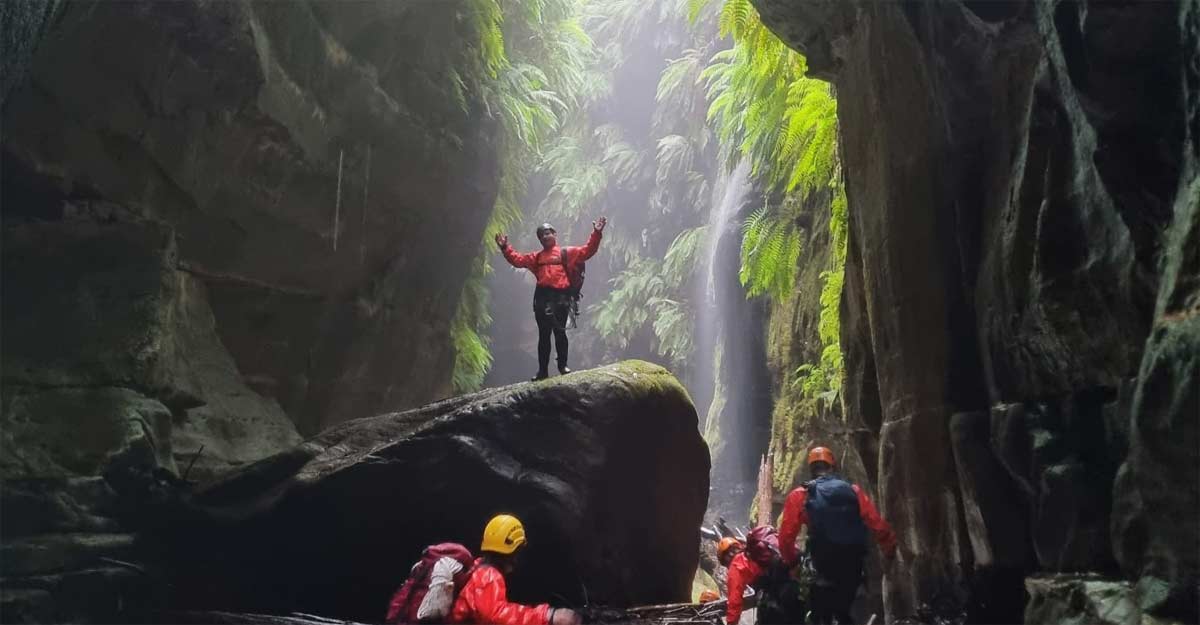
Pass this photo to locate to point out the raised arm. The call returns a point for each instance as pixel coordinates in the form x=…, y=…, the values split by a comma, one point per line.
x=589, y=249
x=880, y=528
x=793, y=517
x=523, y=261
x=593, y=243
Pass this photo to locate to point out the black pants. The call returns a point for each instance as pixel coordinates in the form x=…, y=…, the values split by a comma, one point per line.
x=839, y=571
x=779, y=600
x=551, y=309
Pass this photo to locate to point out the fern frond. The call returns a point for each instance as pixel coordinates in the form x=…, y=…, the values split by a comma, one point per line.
x=682, y=257
x=675, y=156
x=694, y=9
x=487, y=17
x=734, y=18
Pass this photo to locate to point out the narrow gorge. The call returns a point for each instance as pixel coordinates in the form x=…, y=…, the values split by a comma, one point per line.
x=258, y=347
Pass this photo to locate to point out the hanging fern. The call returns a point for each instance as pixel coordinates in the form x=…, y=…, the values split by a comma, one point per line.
x=626, y=308
x=673, y=323
x=487, y=16
x=736, y=16
x=683, y=256
x=695, y=8
x=472, y=359
x=810, y=137
x=770, y=249
x=755, y=85
x=765, y=109
x=675, y=157
x=679, y=94
x=823, y=380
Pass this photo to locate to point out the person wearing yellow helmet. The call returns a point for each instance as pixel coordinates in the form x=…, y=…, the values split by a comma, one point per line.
x=484, y=598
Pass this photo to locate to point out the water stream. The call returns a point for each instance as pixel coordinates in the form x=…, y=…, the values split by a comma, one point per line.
x=720, y=305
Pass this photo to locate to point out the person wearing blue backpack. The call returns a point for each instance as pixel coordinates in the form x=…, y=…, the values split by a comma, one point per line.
x=838, y=515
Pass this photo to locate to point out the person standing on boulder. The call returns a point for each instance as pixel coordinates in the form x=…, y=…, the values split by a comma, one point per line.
x=838, y=515
x=556, y=291
x=484, y=597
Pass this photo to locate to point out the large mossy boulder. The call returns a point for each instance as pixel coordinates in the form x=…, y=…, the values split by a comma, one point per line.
x=606, y=467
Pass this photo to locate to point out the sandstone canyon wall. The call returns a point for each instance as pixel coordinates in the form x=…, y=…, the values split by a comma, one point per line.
x=240, y=220
x=1020, y=314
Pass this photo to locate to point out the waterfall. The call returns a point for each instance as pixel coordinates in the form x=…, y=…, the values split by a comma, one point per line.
x=731, y=356
x=728, y=195
x=732, y=190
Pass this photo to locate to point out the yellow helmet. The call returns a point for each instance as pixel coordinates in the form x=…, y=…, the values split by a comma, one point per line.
x=503, y=534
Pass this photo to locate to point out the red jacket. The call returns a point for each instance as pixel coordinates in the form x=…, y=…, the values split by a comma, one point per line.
x=742, y=572
x=484, y=599
x=794, y=516
x=547, y=266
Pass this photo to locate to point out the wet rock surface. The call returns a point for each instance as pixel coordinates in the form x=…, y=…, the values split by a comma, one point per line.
x=606, y=467
x=286, y=167
x=110, y=350
x=1157, y=486
x=1022, y=181
x=1094, y=600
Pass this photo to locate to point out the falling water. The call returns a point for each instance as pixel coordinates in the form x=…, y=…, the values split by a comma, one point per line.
x=728, y=195
x=731, y=357
x=732, y=190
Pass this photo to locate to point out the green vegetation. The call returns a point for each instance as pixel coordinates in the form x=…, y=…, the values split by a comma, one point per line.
x=555, y=75
x=530, y=70
x=765, y=109
x=649, y=170
x=823, y=380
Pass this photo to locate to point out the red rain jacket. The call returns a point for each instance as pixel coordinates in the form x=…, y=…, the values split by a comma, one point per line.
x=742, y=572
x=794, y=516
x=547, y=266
x=484, y=599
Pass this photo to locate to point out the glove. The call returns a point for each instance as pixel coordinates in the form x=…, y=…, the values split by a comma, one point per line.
x=565, y=616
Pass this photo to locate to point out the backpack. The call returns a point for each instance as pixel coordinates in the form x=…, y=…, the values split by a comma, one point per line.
x=833, y=514
x=575, y=275
x=762, y=546
x=408, y=599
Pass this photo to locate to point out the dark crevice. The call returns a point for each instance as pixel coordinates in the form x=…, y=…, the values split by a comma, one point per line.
x=995, y=10
x=1068, y=22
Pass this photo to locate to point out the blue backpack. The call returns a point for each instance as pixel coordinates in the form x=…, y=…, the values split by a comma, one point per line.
x=833, y=515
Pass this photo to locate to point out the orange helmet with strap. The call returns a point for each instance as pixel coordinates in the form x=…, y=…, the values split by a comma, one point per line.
x=821, y=454
x=725, y=549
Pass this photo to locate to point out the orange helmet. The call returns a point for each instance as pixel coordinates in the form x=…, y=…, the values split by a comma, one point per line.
x=709, y=596
x=725, y=549
x=821, y=454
